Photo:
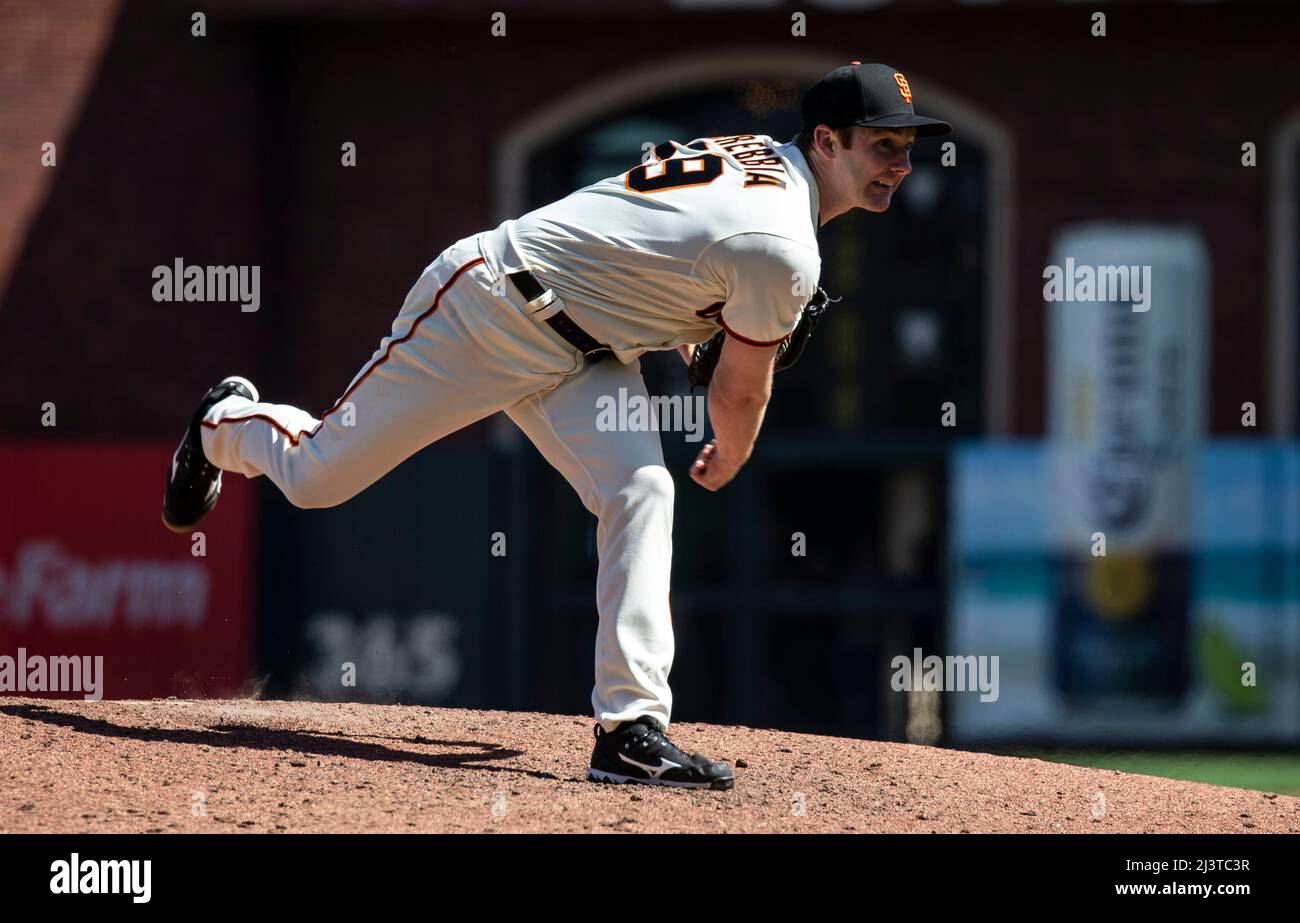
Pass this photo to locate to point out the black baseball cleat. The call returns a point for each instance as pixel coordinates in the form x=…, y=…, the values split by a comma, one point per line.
x=193, y=483
x=638, y=751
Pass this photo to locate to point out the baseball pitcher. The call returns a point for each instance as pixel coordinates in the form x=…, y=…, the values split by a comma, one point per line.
x=707, y=247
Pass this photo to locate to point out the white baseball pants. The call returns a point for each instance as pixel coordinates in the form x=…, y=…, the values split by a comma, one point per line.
x=458, y=353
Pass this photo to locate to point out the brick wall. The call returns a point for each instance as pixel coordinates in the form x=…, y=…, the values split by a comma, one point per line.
x=49, y=53
x=226, y=150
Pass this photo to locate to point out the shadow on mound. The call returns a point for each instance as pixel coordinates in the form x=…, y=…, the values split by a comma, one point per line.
x=315, y=744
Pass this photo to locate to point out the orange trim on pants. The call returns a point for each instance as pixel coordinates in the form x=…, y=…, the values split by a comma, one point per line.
x=293, y=440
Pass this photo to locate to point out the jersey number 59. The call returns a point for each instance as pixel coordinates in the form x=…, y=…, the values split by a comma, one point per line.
x=676, y=173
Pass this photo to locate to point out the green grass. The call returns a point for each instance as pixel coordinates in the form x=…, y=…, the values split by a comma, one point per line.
x=1265, y=772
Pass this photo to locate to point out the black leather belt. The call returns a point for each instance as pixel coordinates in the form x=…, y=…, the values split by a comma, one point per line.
x=528, y=286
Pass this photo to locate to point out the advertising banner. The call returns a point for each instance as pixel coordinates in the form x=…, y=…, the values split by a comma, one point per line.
x=1243, y=604
x=1126, y=312
x=97, y=598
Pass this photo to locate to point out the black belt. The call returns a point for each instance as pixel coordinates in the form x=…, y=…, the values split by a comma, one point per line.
x=528, y=286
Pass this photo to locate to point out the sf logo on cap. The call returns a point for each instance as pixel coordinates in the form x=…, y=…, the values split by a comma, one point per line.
x=903, y=88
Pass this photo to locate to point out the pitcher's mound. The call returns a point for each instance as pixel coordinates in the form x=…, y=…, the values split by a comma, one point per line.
x=234, y=765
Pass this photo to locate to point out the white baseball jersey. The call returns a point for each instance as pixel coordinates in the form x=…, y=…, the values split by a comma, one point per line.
x=720, y=231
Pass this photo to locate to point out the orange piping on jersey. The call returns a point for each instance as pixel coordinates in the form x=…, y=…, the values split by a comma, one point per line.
x=747, y=340
x=388, y=351
x=712, y=310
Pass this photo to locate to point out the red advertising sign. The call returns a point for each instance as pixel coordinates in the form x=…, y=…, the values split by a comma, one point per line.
x=97, y=598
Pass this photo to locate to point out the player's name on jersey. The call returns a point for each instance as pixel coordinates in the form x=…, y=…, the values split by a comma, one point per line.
x=179, y=282
x=762, y=166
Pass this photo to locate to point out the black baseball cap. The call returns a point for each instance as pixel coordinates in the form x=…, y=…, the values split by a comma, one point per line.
x=875, y=95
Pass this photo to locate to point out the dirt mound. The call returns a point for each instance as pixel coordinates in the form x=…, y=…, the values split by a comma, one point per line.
x=161, y=766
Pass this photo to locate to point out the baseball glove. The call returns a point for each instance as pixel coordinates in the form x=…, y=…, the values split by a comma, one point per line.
x=705, y=358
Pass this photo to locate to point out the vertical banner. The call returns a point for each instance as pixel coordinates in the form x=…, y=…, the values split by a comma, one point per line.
x=97, y=598
x=1127, y=312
